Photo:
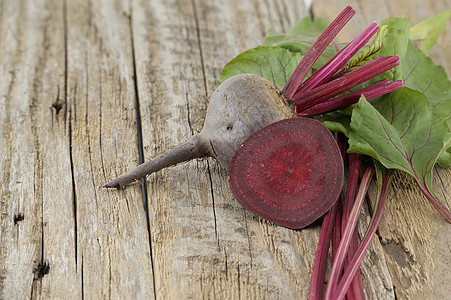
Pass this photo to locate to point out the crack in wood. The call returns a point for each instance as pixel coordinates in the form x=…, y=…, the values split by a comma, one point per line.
x=141, y=150
x=213, y=201
x=188, y=115
x=309, y=7
x=102, y=164
x=68, y=125
x=204, y=76
x=82, y=279
x=74, y=192
x=199, y=44
x=58, y=103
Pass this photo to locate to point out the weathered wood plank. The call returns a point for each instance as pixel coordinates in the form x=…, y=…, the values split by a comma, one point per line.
x=113, y=249
x=60, y=62
x=35, y=150
x=414, y=237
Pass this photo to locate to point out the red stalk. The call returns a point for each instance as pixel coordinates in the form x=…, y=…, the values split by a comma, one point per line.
x=326, y=72
x=354, y=265
x=316, y=50
x=355, y=163
x=439, y=206
x=337, y=86
x=338, y=261
x=329, y=227
x=336, y=234
x=355, y=290
x=319, y=265
x=375, y=90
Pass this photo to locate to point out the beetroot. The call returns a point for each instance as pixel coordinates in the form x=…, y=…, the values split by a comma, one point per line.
x=289, y=172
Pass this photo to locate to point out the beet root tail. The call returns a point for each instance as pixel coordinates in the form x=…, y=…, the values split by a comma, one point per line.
x=193, y=148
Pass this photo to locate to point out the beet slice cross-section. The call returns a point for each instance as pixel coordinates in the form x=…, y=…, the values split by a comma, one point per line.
x=290, y=172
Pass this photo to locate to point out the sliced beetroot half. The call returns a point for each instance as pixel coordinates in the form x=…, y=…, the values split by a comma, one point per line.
x=290, y=172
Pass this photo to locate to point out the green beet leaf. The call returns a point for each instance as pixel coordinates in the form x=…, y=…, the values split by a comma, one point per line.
x=272, y=63
x=426, y=33
x=445, y=158
x=300, y=37
x=402, y=132
x=395, y=43
x=416, y=69
x=423, y=75
x=308, y=27
x=397, y=136
x=420, y=73
x=337, y=121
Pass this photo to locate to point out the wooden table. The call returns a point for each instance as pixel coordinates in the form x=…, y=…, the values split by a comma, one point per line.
x=74, y=77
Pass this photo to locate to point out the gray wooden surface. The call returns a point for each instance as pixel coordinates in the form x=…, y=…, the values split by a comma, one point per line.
x=74, y=77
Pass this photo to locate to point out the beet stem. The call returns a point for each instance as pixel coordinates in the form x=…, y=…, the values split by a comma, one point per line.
x=337, y=265
x=319, y=264
x=375, y=90
x=317, y=95
x=354, y=265
x=316, y=50
x=355, y=290
x=184, y=152
x=437, y=204
x=327, y=71
x=336, y=233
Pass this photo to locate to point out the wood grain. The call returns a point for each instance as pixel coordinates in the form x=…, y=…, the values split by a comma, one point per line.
x=90, y=88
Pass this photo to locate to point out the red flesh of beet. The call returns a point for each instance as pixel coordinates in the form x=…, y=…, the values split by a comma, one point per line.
x=290, y=172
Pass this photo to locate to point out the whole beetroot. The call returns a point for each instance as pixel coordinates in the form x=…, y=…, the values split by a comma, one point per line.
x=240, y=106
